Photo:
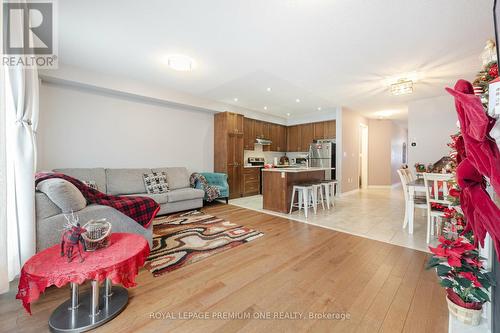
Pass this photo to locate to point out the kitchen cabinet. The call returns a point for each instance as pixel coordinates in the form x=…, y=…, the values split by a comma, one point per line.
x=251, y=181
x=259, y=129
x=319, y=130
x=228, y=149
x=281, y=146
x=293, y=138
x=234, y=122
x=249, y=134
x=306, y=136
x=330, y=129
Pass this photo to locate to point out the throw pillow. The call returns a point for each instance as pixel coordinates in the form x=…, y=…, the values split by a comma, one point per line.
x=155, y=182
x=65, y=195
x=91, y=184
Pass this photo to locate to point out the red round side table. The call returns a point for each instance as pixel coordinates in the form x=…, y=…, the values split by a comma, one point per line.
x=117, y=264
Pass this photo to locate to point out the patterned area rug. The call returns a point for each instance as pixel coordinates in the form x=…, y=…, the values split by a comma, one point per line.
x=187, y=237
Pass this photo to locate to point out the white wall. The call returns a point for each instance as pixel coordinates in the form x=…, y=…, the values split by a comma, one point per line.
x=430, y=124
x=84, y=128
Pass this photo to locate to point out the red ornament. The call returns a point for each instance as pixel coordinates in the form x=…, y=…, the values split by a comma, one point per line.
x=493, y=71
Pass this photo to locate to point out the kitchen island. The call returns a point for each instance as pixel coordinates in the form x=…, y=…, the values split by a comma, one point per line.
x=277, y=185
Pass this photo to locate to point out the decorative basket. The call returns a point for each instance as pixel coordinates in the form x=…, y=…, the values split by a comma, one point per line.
x=467, y=316
x=97, y=235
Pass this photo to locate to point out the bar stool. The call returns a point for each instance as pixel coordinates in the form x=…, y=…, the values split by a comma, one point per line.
x=318, y=193
x=306, y=197
x=329, y=187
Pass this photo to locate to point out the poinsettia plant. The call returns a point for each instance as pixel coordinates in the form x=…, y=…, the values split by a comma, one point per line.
x=460, y=268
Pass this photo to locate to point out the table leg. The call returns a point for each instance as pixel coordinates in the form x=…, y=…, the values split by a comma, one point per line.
x=94, y=302
x=411, y=208
x=93, y=308
x=75, y=302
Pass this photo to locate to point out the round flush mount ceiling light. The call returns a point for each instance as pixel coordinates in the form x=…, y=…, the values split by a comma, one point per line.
x=297, y=100
x=265, y=107
x=319, y=108
x=269, y=89
x=288, y=114
x=235, y=99
x=180, y=62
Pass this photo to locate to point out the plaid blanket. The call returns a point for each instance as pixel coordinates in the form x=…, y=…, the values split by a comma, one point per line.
x=141, y=209
x=211, y=192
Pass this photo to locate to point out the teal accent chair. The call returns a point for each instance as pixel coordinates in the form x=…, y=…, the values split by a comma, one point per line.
x=216, y=179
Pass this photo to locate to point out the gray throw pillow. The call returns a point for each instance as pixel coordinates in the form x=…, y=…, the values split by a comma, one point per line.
x=65, y=195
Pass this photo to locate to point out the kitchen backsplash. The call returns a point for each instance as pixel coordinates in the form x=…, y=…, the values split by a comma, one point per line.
x=268, y=155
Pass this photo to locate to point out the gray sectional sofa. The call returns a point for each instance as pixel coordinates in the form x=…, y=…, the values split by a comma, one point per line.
x=50, y=219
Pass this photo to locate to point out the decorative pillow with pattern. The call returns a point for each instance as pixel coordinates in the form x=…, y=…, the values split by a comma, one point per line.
x=155, y=182
x=91, y=184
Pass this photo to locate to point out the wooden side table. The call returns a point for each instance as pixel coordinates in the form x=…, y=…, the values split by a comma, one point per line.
x=119, y=264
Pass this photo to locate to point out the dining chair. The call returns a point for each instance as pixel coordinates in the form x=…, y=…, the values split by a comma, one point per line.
x=437, y=191
x=419, y=202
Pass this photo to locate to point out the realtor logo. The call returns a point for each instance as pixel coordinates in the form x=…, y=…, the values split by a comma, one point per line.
x=29, y=37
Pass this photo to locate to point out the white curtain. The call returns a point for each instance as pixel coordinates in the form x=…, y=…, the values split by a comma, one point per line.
x=17, y=224
x=4, y=276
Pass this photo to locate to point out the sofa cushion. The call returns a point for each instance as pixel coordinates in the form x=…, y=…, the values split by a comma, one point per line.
x=44, y=206
x=160, y=198
x=125, y=181
x=185, y=194
x=177, y=177
x=155, y=182
x=97, y=175
x=65, y=195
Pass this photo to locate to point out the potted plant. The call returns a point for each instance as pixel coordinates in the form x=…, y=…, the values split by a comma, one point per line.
x=460, y=270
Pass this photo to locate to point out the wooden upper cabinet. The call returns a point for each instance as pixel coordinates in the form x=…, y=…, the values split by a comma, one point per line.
x=306, y=136
x=266, y=130
x=319, y=131
x=282, y=146
x=259, y=129
x=235, y=123
x=293, y=138
x=248, y=134
x=330, y=129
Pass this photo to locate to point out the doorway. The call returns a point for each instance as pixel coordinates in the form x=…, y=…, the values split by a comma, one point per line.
x=363, y=156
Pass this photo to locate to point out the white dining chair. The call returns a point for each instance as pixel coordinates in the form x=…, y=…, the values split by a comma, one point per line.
x=419, y=202
x=437, y=185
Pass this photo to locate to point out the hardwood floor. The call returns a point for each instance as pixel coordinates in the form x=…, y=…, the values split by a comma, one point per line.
x=293, y=268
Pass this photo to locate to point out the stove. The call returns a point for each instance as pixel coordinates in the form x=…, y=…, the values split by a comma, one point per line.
x=258, y=161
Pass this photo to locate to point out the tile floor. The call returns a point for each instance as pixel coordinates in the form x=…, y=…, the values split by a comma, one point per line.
x=375, y=213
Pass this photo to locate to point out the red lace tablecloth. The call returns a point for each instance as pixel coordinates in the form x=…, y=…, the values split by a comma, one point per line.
x=120, y=262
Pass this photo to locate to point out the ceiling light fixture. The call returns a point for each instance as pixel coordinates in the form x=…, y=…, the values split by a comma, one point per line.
x=288, y=114
x=268, y=89
x=402, y=87
x=236, y=99
x=265, y=107
x=319, y=108
x=297, y=100
x=180, y=62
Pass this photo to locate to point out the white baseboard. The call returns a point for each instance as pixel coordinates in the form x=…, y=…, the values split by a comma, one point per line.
x=349, y=192
x=385, y=186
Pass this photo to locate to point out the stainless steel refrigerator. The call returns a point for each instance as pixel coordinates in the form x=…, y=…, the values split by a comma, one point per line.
x=322, y=154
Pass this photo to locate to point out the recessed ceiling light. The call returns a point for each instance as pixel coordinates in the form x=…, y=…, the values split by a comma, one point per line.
x=265, y=107
x=319, y=108
x=297, y=100
x=236, y=99
x=268, y=89
x=180, y=62
x=288, y=114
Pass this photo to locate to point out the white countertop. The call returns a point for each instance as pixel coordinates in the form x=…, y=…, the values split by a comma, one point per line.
x=303, y=169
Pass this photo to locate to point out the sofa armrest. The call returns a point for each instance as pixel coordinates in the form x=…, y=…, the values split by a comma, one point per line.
x=216, y=178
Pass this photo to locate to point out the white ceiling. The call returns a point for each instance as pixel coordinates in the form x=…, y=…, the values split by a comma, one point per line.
x=326, y=53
